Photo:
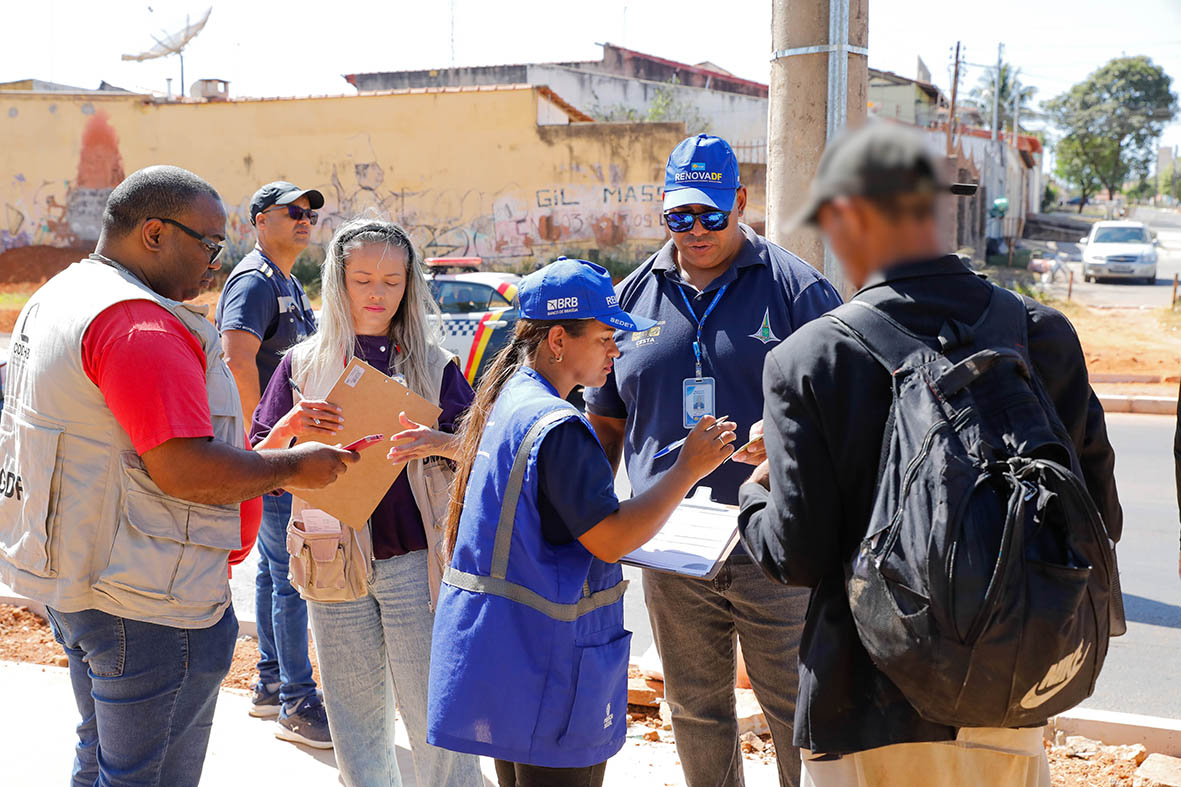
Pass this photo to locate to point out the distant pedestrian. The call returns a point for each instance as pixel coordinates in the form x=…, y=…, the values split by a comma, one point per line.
x=807, y=511
x=263, y=312
x=722, y=297
x=123, y=432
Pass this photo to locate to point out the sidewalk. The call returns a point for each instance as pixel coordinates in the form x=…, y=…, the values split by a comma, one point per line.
x=40, y=717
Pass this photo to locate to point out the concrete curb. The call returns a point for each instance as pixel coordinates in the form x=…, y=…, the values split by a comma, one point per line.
x=1150, y=405
x=1157, y=379
x=1162, y=736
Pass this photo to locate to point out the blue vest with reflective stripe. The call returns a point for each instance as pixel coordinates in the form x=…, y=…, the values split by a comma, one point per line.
x=529, y=655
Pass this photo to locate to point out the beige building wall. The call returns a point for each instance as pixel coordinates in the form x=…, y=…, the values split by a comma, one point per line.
x=470, y=172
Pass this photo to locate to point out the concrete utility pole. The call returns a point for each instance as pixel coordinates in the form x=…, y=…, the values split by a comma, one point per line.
x=995, y=162
x=1019, y=208
x=955, y=86
x=819, y=81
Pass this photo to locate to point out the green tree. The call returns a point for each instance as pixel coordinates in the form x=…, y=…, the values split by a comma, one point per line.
x=1114, y=117
x=1075, y=169
x=982, y=95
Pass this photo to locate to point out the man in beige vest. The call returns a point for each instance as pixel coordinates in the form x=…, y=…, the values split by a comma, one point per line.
x=123, y=437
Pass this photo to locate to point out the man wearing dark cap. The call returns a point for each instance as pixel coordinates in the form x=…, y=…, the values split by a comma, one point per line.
x=722, y=296
x=805, y=511
x=263, y=312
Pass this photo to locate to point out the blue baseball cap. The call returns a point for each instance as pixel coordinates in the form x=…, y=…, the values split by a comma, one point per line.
x=702, y=170
x=575, y=290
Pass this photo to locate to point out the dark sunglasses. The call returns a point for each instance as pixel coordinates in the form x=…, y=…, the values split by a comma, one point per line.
x=297, y=213
x=711, y=221
x=214, y=247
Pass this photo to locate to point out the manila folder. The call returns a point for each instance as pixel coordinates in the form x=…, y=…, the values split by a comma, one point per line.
x=370, y=403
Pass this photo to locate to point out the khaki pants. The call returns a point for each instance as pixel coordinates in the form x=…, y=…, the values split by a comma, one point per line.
x=978, y=757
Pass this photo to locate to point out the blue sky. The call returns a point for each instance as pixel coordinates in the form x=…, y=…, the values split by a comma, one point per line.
x=296, y=47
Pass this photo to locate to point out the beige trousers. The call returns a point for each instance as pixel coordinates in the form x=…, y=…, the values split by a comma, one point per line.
x=978, y=757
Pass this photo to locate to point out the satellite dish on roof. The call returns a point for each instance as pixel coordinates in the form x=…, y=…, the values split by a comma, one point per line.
x=174, y=44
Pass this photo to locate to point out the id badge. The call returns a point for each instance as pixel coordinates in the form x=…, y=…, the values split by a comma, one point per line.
x=697, y=400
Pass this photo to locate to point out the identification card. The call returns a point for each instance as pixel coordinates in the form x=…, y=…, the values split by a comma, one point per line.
x=697, y=400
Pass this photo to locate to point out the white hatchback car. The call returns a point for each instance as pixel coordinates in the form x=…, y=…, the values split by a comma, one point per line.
x=1119, y=249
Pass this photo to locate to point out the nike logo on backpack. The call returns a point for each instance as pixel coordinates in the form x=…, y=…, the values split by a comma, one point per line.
x=1056, y=678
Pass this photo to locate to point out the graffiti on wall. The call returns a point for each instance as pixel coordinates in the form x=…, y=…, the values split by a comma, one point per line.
x=66, y=213
x=509, y=226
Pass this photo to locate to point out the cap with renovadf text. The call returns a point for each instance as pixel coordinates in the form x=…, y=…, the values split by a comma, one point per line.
x=702, y=170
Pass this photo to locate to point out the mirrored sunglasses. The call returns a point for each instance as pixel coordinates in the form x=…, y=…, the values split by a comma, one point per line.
x=711, y=221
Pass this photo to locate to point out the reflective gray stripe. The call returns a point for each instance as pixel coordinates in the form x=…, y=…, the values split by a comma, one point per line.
x=522, y=595
x=512, y=492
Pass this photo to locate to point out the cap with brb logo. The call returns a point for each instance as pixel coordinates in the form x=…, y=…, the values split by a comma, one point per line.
x=702, y=170
x=575, y=290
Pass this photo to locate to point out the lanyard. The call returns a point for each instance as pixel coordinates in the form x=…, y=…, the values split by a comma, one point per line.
x=701, y=322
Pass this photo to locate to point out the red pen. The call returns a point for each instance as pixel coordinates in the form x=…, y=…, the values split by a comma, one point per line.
x=364, y=442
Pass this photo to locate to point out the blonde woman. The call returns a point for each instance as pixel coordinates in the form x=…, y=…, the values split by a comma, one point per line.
x=376, y=649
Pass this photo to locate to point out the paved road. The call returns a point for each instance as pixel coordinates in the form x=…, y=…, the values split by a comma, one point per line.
x=1141, y=674
x=1167, y=225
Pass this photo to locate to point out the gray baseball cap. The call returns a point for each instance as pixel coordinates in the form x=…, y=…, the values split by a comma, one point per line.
x=282, y=193
x=878, y=159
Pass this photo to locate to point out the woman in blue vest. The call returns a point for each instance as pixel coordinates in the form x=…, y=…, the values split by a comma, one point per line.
x=529, y=655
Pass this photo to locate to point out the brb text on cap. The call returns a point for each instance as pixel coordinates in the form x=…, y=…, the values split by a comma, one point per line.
x=561, y=305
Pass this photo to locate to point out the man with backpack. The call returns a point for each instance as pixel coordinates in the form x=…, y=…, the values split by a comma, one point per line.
x=939, y=474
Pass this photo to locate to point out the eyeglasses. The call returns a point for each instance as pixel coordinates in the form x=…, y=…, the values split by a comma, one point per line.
x=711, y=221
x=214, y=247
x=297, y=213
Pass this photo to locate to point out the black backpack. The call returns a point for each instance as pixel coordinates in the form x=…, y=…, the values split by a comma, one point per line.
x=983, y=584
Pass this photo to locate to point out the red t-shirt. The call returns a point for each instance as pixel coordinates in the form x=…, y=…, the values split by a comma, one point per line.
x=151, y=372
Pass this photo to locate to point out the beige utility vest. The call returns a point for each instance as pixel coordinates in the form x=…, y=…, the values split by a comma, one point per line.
x=82, y=525
x=430, y=479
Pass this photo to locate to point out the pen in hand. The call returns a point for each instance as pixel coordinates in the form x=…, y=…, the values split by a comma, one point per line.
x=668, y=449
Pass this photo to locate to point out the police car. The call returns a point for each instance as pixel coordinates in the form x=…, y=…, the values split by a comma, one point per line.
x=479, y=309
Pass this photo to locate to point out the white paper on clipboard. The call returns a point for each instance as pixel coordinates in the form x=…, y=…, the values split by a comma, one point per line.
x=694, y=542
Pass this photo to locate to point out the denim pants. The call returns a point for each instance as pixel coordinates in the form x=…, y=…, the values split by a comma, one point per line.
x=146, y=694
x=373, y=651
x=695, y=624
x=281, y=614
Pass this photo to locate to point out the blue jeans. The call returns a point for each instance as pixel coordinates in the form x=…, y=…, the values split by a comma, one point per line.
x=695, y=625
x=281, y=614
x=375, y=650
x=146, y=694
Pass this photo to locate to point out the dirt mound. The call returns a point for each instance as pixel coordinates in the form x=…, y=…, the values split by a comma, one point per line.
x=35, y=264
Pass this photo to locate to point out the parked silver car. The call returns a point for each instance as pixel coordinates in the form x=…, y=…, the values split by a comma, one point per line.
x=1119, y=249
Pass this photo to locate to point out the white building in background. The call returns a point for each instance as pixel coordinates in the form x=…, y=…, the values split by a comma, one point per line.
x=623, y=85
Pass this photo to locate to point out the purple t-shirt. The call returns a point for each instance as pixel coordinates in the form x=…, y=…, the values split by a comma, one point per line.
x=397, y=523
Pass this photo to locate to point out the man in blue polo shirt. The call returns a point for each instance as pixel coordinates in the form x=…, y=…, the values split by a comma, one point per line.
x=263, y=311
x=723, y=297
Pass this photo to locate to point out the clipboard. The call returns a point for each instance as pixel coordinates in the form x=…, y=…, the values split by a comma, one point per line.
x=370, y=402
x=694, y=542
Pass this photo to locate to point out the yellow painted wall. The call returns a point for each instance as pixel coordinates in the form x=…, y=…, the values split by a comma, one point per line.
x=468, y=173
